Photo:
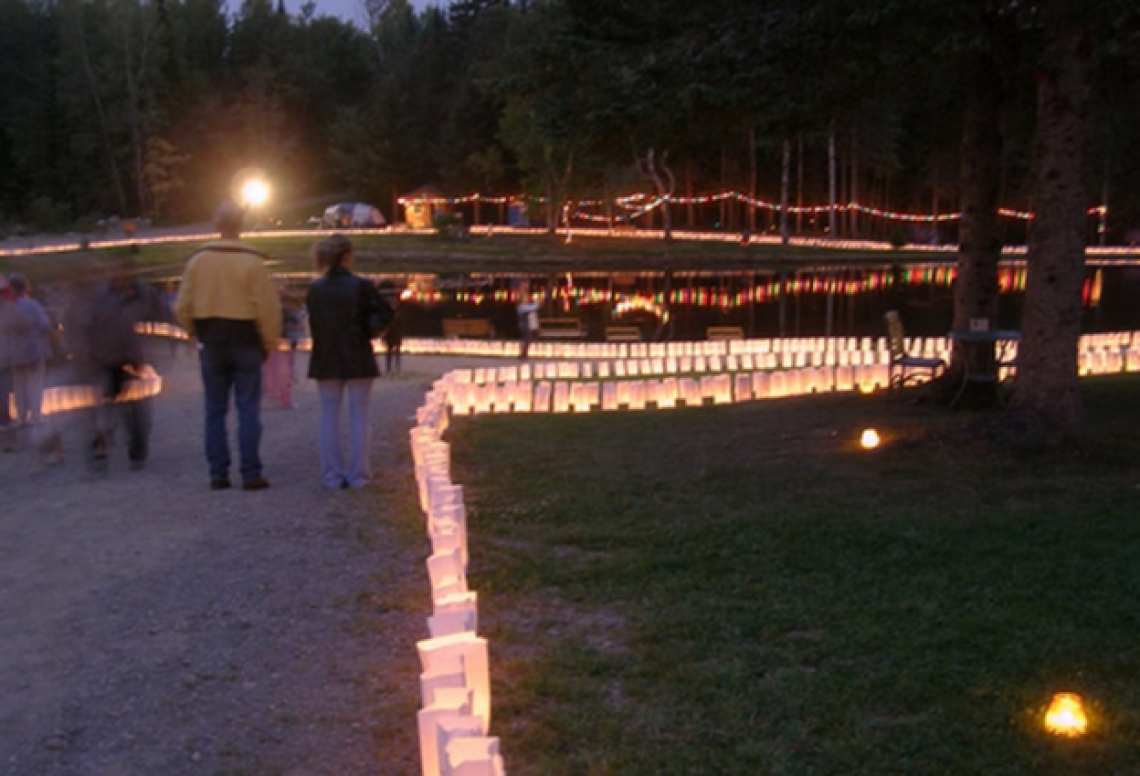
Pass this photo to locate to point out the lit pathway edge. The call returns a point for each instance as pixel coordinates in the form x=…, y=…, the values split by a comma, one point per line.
x=454, y=721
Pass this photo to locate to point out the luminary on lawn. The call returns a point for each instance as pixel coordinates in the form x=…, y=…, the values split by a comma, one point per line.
x=561, y=397
x=870, y=439
x=609, y=396
x=1066, y=715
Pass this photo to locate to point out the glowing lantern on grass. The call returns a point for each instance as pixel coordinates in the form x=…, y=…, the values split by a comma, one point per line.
x=870, y=439
x=1066, y=715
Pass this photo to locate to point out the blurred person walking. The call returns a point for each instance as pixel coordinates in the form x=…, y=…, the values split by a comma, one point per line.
x=394, y=334
x=528, y=320
x=114, y=351
x=345, y=313
x=29, y=369
x=277, y=372
x=228, y=301
x=13, y=328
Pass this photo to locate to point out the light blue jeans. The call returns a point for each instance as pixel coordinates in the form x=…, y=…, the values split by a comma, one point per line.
x=334, y=472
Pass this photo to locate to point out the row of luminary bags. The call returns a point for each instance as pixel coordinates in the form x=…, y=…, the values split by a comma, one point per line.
x=454, y=719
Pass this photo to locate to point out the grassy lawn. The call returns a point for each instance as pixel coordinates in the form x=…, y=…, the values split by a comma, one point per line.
x=741, y=590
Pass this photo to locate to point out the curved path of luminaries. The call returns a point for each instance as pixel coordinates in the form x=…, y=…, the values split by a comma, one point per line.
x=454, y=721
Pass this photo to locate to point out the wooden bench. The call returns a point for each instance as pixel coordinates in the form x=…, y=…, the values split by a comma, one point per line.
x=560, y=328
x=467, y=328
x=623, y=334
x=725, y=332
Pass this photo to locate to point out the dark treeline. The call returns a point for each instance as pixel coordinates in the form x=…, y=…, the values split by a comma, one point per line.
x=150, y=107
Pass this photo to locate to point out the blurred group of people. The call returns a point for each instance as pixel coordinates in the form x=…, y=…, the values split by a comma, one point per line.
x=247, y=333
x=87, y=336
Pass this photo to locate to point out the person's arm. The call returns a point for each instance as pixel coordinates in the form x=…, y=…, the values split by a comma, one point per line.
x=155, y=308
x=41, y=321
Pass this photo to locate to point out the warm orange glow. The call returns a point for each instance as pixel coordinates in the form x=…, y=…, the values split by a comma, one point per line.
x=870, y=439
x=1066, y=715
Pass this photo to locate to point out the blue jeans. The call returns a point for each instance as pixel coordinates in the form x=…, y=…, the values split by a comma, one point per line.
x=358, y=471
x=237, y=368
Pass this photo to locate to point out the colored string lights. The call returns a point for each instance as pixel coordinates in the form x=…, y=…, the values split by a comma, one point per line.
x=638, y=204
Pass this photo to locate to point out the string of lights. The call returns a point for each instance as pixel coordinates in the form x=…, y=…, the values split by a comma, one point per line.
x=638, y=204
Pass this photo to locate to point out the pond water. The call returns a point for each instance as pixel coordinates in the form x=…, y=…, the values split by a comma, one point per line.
x=805, y=302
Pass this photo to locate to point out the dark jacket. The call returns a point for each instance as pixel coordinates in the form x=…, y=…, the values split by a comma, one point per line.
x=339, y=306
x=110, y=321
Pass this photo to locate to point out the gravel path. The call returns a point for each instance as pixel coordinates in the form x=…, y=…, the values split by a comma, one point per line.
x=151, y=626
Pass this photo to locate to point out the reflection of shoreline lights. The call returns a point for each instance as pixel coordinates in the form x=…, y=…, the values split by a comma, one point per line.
x=1011, y=280
x=634, y=303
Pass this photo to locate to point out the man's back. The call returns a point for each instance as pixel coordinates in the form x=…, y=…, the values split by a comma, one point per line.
x=227, y=281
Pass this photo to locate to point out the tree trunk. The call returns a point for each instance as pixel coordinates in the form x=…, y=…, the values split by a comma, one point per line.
x=800, y=184
x=659, y=172
x=979, y=249
x=832, y=182
x=853, y=189
x=1048, y=384
x=752, y=179
x=785, y=191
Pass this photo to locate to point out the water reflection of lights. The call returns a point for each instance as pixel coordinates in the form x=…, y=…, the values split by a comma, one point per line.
x=745, y=291
x=634, y=303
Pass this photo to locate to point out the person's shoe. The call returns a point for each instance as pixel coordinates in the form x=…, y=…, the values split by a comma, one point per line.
x=137, y=466
x=257, y=483
x=219, y=483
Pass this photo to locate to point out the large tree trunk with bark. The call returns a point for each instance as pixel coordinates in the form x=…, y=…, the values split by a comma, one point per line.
x=1048, y=381
x=979, y=247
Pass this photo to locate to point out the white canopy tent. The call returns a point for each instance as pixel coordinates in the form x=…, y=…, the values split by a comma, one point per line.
x=354, y=215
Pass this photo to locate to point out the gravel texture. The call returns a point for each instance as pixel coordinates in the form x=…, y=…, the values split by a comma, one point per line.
x=151, y=626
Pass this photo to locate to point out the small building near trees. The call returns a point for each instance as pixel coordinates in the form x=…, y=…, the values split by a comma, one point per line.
x=421, y=205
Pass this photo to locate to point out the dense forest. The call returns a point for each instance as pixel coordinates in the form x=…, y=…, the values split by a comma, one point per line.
x=151, y=107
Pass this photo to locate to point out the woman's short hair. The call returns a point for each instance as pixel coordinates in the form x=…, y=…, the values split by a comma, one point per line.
x=331, y=251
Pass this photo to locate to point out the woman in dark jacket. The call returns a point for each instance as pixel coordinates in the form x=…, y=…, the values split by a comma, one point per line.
x=345, y=313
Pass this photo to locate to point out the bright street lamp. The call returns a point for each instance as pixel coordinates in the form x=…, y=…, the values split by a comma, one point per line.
x=254, y=193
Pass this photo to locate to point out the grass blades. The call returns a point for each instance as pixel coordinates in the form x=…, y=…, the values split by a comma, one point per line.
x=742, y=590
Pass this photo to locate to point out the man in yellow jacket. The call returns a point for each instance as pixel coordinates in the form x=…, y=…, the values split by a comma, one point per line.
x=229, y=303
